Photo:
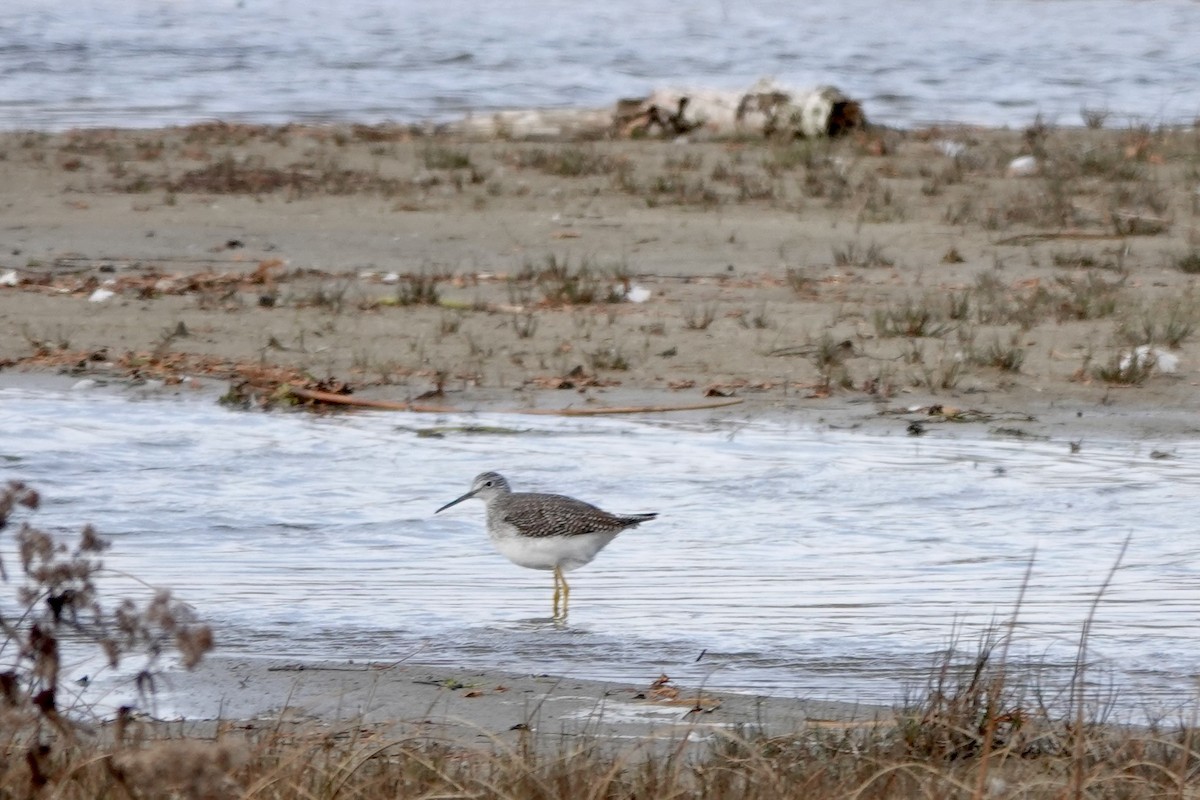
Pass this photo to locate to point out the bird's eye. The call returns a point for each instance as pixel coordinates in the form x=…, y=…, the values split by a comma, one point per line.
x=489, y=483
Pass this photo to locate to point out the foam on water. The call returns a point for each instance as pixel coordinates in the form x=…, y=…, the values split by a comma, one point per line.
x=809, y=562
x=138, y=63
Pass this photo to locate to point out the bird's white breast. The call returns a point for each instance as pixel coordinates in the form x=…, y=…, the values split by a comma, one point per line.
x=548, y=552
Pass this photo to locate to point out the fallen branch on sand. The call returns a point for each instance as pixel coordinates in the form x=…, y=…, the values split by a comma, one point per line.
x=589, y=412
x=392, y=405
x=1034, y=238
x=363, y=402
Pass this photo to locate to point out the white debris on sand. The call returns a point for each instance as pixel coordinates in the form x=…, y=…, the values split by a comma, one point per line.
x=1023, y=167
x=950, y=148
x=102, y=294
x=1145, y=356
x=637, y=294
x=766, y=109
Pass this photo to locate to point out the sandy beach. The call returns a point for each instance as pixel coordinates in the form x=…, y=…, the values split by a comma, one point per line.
x=833, y=279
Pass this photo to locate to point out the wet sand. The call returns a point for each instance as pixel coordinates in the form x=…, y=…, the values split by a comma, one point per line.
x=893, y=280
x=483, y=707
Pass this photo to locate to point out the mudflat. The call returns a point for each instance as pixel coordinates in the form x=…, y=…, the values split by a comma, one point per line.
x=961, y=274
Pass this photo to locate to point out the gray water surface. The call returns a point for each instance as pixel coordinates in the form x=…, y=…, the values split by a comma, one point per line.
x=140, y=63
x=800, y=561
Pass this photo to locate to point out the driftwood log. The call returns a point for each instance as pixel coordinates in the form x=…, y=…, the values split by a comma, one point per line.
x=766, y=109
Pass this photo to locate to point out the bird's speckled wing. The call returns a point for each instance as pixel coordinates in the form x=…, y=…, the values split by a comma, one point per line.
x=537, y=514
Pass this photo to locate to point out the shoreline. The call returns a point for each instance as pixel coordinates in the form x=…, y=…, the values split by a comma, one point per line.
x=1108, y=422
x=472, y=707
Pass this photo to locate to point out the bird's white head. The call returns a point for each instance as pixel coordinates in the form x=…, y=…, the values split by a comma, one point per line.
x=486, y=486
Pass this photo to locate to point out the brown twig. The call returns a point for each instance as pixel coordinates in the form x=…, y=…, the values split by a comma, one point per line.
x=595, y=412
x=364, y=402
x=393, y=405
x=1031, y=238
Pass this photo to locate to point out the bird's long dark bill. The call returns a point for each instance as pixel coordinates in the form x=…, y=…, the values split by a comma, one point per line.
x=466, y=496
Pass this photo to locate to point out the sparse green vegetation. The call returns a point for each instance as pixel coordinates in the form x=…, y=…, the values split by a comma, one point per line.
x=685, y=162
x=1085, y=298
x=853, y=255
x=826, y=179
x=525, y=324
x=879, y=202
x=680, y=190
x=327, y=296
x=829, y=358
x=800, y=281
x=911, y=319
x=561, y=284
x=417, y=290
x=1078, y=259
x=1167, y=324
x=1004, y=356
x=759, y=319
x=440, y=156
x=1094, y=118
x=942, y=375
x=790, y=156
x=699, y=317
x=568, y=161
x=1124, y=368
x=608, y=358
x=952, y=256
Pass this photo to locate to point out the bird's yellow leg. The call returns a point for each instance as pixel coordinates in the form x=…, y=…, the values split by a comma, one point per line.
x=563, y=590
x=557, y=591
x=566, y=592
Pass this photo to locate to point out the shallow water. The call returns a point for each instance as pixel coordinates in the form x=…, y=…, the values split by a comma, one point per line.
x=799, y=561
x=137, y=63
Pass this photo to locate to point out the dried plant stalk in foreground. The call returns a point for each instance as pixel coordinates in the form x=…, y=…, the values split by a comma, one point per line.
x=58, y=601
